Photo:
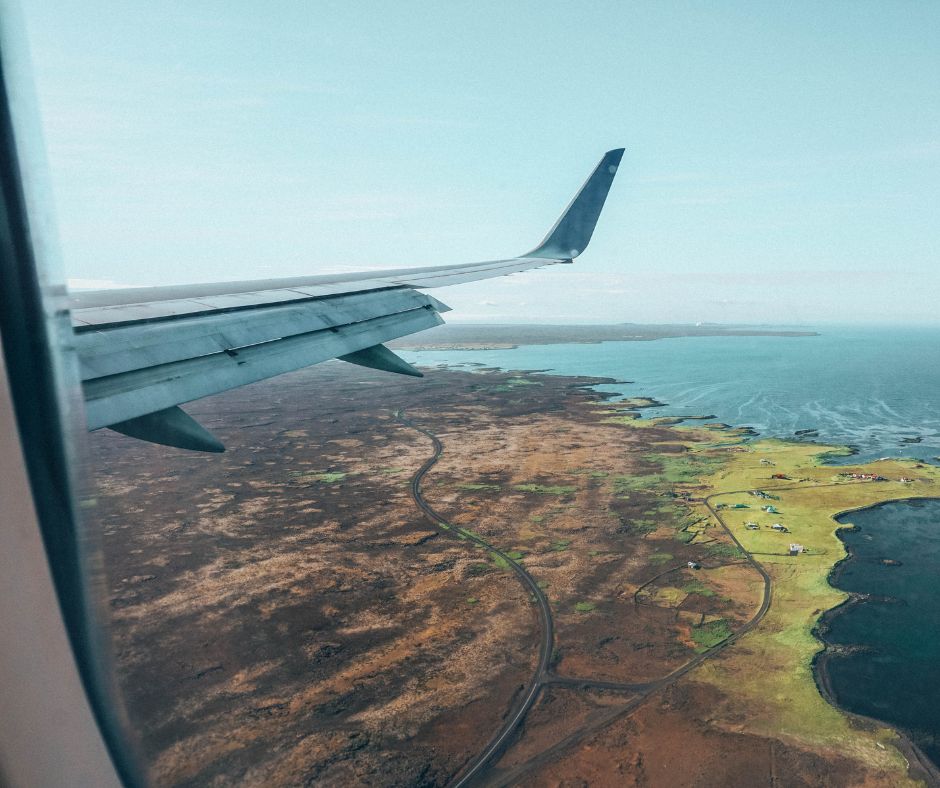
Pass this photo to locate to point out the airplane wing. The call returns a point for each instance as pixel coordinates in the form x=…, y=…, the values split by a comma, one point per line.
x=145, y=351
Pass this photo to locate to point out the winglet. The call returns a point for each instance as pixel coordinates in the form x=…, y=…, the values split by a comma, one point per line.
x=572, y=232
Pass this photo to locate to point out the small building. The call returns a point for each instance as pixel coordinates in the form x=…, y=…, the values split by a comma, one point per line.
x=694, y=565
x=796, y=548
x=780, y=527
x=740, y=506
x=752, y=526
x=770, y=508
x=779, y=476
x=766, y=462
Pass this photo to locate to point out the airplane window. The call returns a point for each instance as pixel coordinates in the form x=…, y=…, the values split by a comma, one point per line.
x=457, y=395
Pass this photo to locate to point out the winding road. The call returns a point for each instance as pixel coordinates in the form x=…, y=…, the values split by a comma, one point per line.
x=475, y=767
x=542, y=676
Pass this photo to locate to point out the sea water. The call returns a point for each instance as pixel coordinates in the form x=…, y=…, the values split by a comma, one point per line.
x=876, y=389
x=895, y=676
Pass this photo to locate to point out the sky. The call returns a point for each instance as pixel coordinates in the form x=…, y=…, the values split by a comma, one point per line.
x=782, y=159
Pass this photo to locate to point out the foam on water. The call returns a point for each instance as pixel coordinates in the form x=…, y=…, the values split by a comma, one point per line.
x=865, y=387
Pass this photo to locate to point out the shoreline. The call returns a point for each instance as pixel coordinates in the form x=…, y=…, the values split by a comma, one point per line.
x=928, y=769
x=920, y=766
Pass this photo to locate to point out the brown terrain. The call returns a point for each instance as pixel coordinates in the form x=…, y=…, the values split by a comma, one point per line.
x=470, y=336
x=284, y=614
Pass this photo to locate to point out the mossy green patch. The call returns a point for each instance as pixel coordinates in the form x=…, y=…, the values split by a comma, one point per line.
x=584, y=607
x=545, y=489
x=710, y=634
x=324, y=477
x=697, y=587
x=723, y=550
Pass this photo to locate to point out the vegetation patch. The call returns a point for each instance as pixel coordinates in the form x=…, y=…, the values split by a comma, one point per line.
x=644, y=526
x=720, y=550
x=477, y=486
x=667, y=596
x=328, y=477
x=584, y=607
x=697, y=587
x=710, y=634
x=560, y=545
x=623, y=418
x=660, y=558
x=545, y=489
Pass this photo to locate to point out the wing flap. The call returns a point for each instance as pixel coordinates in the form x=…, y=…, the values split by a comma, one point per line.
x=123, y=347
x=127, y=395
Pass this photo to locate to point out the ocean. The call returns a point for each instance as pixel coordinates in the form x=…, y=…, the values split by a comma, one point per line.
x=895, y=676
x=875, y=389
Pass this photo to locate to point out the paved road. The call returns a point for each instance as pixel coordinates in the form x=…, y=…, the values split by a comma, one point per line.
x=476, y=766
x=645, y=691
x=542, y=677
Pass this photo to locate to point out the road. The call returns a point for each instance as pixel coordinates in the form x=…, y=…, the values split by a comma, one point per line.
x=476, y=766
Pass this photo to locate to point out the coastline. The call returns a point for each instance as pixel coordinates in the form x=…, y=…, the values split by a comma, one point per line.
x=589, y=502
x=920, y=767
x=924, y=767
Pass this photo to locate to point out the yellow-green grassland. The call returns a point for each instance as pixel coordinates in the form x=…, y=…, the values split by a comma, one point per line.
x=767, y=675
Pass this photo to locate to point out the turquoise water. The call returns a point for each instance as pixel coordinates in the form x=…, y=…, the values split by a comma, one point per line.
x=869, y=388
x=864, y=387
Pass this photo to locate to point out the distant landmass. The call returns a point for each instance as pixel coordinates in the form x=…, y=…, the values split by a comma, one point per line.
x=488, y=336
